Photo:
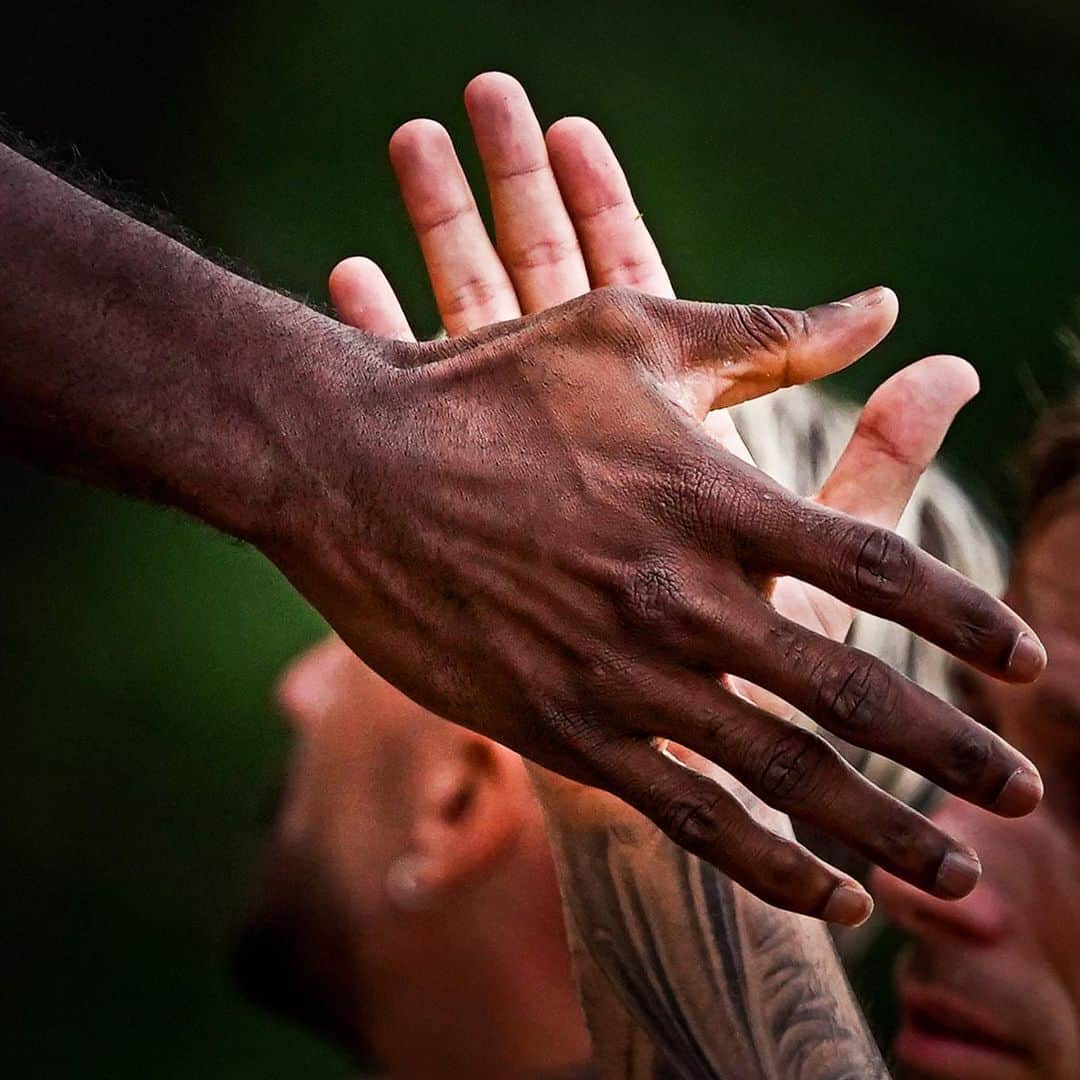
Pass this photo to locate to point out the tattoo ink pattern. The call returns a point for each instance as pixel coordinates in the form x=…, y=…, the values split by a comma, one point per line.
x=683, y=973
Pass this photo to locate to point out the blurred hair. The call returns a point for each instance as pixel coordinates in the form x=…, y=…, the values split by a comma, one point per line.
x=1050, y=462
x=290, y=950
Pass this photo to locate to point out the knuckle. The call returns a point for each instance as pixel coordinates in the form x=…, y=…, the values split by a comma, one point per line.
x=973, y=635
x=907, y=841
x=884, y=566
x=795, y=770
x=968, y=754
x=689, y=817
x=618, y=302
x=543, y=254
x=780, y=868
x=854, y=697
x=609, y=668
x=619, y=316
x=560, y=727
x=761, y=327
x=790, y=643
x=653, y=594
x=706, y=501
x=473, y=294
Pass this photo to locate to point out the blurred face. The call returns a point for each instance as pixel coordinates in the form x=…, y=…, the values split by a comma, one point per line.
x=376, y=787
x=306, y=946
x=990, y=984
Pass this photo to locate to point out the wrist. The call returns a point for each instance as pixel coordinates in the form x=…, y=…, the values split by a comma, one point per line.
x=321, y=412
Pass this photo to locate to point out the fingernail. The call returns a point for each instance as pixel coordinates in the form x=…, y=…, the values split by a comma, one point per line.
x=958, y=874
x=1020, y=794
x=868, y=298
x=849, y=905
x=1027, y=659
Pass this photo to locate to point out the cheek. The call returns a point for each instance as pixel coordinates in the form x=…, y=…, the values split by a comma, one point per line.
x=358, y=846
x=1033, y=864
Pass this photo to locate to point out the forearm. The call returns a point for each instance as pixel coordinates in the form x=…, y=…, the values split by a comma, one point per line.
x=129, y=360
x=723, y=984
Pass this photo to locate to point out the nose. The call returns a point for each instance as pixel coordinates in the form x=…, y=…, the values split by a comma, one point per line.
x=306, y=687
x=981, y=916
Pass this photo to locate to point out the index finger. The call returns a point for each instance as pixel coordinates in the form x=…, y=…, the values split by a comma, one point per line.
x=871, y=568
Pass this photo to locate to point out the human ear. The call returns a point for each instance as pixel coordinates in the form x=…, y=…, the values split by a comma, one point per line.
x=471, y=808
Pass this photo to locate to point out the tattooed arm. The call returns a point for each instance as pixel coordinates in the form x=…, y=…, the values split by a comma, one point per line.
x=684, y=973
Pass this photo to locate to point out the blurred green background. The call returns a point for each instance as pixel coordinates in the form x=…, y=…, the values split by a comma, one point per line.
x=781, y=152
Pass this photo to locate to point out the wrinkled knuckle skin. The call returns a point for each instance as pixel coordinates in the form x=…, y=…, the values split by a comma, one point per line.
x=972, y=637
x=789, y=643
x=794, y=770
x=764, y=328
x=609, y=670
x=560, y=728
x=905, y=845
x=617, y=313
x=884, y=567
x=854, y=699
x=780, y=871
x=689, y=819
x=702, y=498
x=967, y=761
x=653, y=596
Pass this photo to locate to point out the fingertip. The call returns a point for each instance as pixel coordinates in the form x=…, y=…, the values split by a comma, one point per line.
x=490, y=87
x=958, y=874
x=849, y=905
x=416, y=137
x=363, y=297
x=879, y=299
x=952, y=376
x=350, y=274
x=1027, y=658
x=354, y=267
x=881, y=305
x=573, y=129
x=1020, y=794
x=840, y=332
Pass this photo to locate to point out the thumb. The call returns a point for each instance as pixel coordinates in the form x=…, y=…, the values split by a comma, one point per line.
x=727, y=353
x=899, y=431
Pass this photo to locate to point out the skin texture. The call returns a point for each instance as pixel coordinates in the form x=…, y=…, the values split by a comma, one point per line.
x=991, y=984
x=525, y=529
x=681, y=971
x=566, y=197
x=407, y=905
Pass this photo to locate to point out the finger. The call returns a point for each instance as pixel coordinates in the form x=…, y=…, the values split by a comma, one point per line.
x=533, y=232
x=700, y=816
x=470, y=284
x=865, y=702
x=363, y=298
x=897, y=435
x=616, y=243
x=877, y=571
x=799, y=773
x=727, y=353
x=899, y=431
